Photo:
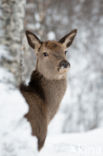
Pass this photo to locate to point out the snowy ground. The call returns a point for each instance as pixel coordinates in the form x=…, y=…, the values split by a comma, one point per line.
x=83, y=144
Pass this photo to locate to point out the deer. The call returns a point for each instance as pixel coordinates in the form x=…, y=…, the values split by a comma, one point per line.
x=48, y=82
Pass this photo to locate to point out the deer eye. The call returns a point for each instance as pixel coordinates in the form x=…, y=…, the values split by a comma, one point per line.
x=45, y=54
x=65, y=52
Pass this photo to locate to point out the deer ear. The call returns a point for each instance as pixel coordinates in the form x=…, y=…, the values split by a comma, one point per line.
x=33, y=40
x=68, y=39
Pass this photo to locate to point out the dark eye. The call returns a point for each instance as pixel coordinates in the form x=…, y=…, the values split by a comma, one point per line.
x=65, y=52
x=45, y=54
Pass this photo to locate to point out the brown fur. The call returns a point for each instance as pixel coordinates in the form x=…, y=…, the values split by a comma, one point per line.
x=47, y=84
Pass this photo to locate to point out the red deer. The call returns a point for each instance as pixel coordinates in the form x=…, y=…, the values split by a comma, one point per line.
x=48, y=82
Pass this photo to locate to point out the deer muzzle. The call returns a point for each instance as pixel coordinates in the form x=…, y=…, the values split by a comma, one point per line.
x=64, y=64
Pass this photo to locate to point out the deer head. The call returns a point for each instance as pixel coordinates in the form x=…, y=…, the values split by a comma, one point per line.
x=51, y=55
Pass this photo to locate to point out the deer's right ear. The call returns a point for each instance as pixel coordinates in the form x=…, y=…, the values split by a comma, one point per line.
x=33, y=40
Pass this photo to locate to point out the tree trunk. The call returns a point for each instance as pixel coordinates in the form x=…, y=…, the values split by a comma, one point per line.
x=12, y=15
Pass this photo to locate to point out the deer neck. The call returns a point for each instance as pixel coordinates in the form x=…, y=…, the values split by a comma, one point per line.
x=52, y=91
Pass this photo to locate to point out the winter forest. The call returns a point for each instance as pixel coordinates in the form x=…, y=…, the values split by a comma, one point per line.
x=77, y=128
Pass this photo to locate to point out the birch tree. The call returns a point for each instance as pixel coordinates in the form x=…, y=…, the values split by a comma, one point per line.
x=12, y=13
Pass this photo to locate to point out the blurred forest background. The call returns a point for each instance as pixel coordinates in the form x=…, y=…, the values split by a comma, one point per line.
x=82, y=108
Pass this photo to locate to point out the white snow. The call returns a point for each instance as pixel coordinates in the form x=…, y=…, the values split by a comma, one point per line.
x=37, y=17
x=51, y=35
x=76, y=144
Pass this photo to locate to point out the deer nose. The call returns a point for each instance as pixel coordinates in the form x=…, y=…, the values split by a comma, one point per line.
x=64, y=64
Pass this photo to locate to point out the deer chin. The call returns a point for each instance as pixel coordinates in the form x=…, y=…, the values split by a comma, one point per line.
x=61, y=76
x=62, y=73
x=63, y=70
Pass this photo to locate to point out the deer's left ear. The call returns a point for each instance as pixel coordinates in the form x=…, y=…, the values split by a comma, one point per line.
x=68, y=39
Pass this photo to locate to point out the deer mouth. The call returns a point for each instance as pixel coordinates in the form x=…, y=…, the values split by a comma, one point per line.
x=63, y=70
